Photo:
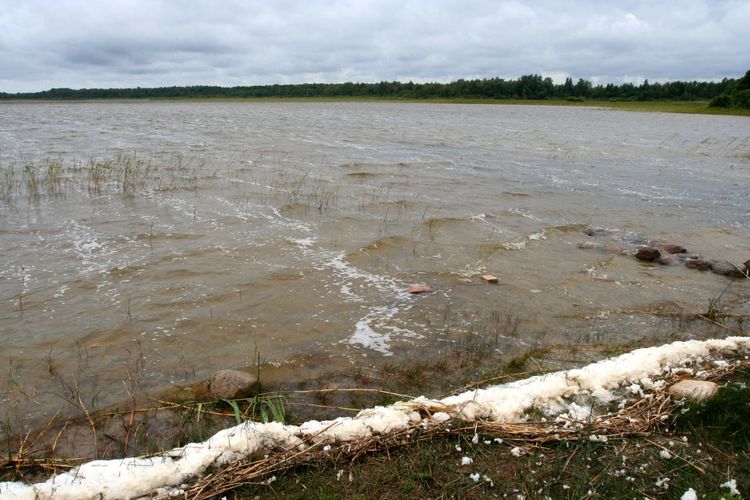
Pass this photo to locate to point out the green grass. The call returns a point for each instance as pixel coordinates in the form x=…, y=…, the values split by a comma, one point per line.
x=725, y=418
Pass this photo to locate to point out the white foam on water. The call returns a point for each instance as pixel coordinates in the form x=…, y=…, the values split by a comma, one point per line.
x=237, y=210
x=379, y=317
x=520, y=243
x=91, y=248
x=286, y=221
x=375, y=329
x=304, y=243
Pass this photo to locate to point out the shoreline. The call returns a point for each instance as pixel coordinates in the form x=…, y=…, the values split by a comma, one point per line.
x=647, y=369
x=678, y=107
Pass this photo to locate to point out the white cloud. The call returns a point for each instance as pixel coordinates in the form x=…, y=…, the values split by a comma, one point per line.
x=72, y=43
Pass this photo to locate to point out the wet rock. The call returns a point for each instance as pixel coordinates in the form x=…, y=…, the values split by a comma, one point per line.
x=726, y=268
x=647, y=254
x=231, y=384
x=464, y=279
x=419, y=289
x=669, y=260
x=699, y=264
x=490, y=278
x=697, y=390
x=672, y=249
x=614, y=250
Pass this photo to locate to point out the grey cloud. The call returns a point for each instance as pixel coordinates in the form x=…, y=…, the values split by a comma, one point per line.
x=138, y=42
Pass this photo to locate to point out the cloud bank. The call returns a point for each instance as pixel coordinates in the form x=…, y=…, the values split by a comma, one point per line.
x=128, y=43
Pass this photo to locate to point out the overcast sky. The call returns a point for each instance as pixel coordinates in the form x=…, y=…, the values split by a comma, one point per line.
x=128, y=43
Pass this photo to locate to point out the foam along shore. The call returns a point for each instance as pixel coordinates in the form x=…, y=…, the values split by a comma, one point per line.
x=557, y=394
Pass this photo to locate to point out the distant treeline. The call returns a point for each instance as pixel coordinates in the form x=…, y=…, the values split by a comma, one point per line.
x=525, y=87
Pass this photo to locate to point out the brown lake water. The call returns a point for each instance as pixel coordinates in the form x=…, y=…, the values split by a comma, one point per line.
x=193, y=235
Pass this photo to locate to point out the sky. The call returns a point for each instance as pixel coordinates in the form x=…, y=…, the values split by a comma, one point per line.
x=149, y=43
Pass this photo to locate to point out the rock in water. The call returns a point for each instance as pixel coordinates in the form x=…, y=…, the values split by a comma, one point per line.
x=726, y=268
x=647, y=254
x=697, y=390
x=231, y=384
x=673, y=249
x=699, y=264
x=419, y=289
x=489, y=278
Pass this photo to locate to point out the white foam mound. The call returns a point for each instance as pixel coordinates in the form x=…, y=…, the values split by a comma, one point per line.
x=134, y=477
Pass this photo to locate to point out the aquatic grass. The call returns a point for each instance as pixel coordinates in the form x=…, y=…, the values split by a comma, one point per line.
x=8, y=183
x=122, y=173
x=32, y=181
x=261, y=408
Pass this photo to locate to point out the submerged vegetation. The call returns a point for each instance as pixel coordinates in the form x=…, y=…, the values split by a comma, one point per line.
x=124, y=173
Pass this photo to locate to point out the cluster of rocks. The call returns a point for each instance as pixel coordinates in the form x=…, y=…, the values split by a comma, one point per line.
x=669, y=255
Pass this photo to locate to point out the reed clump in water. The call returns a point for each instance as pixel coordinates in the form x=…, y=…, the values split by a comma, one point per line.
x=127, y=174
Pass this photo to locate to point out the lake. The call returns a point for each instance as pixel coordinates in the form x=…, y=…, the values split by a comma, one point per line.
x=176, y=238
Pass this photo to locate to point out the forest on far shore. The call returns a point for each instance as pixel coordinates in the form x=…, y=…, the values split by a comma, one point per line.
x=728, y=92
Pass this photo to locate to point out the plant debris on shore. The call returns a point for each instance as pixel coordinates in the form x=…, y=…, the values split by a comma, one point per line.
x=614, y=398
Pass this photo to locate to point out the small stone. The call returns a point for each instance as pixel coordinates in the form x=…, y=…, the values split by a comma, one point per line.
x=673, y=249
x=647, y=254
x=614, y=250
x=726, y=268
x=699, y=264
x=231, y=384
x=697, y=390
x=419, y=289
x=464, y=279
x=489, y=278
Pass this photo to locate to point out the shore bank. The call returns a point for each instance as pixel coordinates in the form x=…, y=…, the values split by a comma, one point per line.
x=598, y=399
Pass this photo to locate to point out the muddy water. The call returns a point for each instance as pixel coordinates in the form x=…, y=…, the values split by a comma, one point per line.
x=208, y=232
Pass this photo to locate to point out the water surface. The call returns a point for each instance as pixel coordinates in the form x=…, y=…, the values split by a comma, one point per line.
x=186, y=237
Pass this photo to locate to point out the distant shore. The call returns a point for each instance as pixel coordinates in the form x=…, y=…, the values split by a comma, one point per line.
x=683, y=107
